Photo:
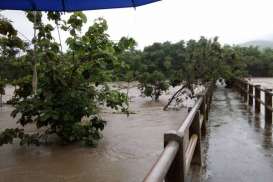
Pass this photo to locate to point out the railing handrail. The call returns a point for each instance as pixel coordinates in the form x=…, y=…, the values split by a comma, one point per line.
x=187, y=122
x=246, y=89
x=162, y=165
x=258, y=87
x=173, y=151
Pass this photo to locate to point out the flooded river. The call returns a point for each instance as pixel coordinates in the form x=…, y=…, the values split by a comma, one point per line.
x=238, y=146
x=125, y=154
x=264, y=82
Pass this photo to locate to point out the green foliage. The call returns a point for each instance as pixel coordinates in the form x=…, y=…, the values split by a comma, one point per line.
x=10, y=43
x=153, y=84
x=24, y=88
x=72, y=87
x=6, y=28
x=10, y=46
x=63, y=99
x=54, y=16
x=132, y=67
x=2, y=87
x=198, y=61
x=7, y=136
x=256, y=62
x=46, y=47
x=201, y=61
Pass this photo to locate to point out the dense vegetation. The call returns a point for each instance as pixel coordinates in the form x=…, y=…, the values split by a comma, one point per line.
x=62, y=93
x=193, y=62
x=169, y=57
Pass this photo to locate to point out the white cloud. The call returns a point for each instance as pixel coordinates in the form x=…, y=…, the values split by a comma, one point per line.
x=234, y=21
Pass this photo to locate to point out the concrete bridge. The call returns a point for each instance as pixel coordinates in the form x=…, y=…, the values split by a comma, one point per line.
x=239, y=141
x=235, y=146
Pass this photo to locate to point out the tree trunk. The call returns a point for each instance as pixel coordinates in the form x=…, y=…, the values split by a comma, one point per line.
x=187, y=85
x=34, y=66
x=34, y=77
x=59, y=37
x=173, y=97
x=1, y=100
x=127, y=93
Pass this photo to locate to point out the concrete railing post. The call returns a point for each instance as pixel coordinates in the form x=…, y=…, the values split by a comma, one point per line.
x=234, y=85
x=195, y=128
x=257, y=98
x=209, y=95
x=241, y=85
x=268, y=104
x=204, y=113
x=207, y=107
x=245, y=90
x=250, y=95
x=176, y=173
x=1, y=100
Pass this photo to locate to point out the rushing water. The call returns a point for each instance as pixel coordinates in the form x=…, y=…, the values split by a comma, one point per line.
x=238, y=146
x=129, y=148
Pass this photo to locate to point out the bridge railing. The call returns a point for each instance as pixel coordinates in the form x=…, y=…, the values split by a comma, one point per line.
x=251, y=92
x=183, y=147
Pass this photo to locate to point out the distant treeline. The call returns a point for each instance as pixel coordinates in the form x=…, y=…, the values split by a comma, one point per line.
x=167, y=58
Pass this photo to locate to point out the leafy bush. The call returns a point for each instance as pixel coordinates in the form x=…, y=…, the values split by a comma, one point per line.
x=153, y=84
x=72, y=86
x=2, y=87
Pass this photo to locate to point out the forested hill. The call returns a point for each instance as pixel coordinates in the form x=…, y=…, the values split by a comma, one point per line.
x=262, y=44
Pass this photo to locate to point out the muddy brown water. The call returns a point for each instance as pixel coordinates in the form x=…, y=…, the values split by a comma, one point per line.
x=238, y=146
x=264, y=82
x=126, y=153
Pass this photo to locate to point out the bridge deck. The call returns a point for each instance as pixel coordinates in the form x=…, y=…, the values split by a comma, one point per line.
x=238, y=146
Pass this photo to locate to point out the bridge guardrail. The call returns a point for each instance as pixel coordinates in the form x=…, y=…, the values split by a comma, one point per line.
x=251, y=92
x=183, y=147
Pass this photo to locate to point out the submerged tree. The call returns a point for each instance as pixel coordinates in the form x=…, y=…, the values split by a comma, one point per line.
x=200, y=62
x=72, y=87
x=154, y=70
x=153, y=84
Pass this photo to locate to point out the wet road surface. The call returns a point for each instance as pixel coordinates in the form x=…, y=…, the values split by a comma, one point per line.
x=238, y=146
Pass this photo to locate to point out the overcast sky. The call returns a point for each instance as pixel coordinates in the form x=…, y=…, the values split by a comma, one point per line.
x=233, y=21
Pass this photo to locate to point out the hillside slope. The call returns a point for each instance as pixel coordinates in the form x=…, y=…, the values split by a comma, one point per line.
x=259, y=43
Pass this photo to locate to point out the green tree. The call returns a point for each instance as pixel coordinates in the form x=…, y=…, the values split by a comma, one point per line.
x=153, y=84
x=10, y=47
x=200, y=62
x=72, y=87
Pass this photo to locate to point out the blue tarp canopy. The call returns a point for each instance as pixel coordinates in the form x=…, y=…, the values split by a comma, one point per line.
x=69, y=5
